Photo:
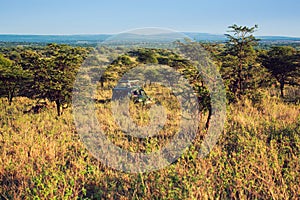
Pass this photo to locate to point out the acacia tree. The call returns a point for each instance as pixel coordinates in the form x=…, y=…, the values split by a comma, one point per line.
x=12, y=77
x=240, y=68
x=61, y=63
x=53, y=72
x=31, y=62
x=147, y=56
x=282, y=63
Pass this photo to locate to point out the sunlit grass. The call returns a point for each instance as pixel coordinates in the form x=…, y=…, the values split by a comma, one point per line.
x=257, y=157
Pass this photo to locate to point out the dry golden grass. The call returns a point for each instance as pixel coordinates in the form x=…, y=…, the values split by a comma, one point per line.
x=257, y=157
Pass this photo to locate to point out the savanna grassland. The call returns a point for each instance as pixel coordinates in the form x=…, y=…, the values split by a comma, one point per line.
x=42, y=155
x=257, y=156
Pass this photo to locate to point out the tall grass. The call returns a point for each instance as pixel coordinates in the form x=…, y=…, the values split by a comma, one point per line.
x=257, y=157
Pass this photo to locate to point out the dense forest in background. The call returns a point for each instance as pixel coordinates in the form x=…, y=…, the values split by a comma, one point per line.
x=257, y=157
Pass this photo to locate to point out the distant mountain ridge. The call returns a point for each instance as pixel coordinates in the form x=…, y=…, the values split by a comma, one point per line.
x=53, y=38
x=89, y=39
x=216, y=37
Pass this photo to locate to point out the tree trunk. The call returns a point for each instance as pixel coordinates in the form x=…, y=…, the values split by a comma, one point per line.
x=209, y=117
x=282, y=88
x=240, y=87
x=10, y=97
x=58, y=107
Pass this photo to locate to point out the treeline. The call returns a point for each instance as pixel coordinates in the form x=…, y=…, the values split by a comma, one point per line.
x=49, y=72
x=245, y=68
x=46, y=73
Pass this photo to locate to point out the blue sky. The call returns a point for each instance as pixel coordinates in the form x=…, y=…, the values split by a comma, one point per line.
x=274, y=17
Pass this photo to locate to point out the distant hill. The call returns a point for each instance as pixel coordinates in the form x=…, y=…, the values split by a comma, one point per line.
x=215, y=37
x=93, y=39
x=67, y=39
x=206, y=36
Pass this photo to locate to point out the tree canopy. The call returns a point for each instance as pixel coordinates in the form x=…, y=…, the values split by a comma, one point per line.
x=282, y=62
x=12, y=78
x=240, y=68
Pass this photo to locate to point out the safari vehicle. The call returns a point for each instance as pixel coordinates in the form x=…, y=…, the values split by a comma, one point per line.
x=131, y=89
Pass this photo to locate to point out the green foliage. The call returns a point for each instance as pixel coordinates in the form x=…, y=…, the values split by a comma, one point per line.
x=54, y=71
x=147, y=56
x=240, y=69
x=283, y=63
x=12, y=78
x=123, y=60
x=62, y=63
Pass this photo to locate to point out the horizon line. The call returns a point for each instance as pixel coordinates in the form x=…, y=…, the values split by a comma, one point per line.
x=94, y=34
